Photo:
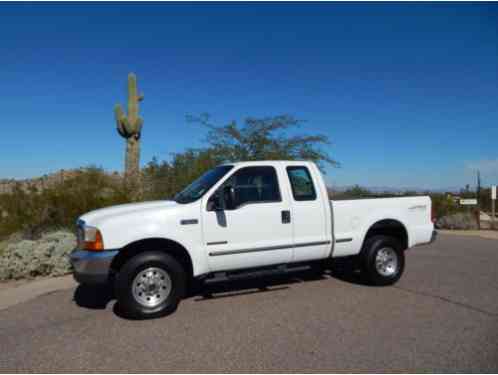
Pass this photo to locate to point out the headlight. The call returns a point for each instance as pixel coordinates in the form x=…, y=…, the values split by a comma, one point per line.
x=89, y=238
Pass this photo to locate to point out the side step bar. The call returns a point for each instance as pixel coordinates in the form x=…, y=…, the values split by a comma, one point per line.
x=254, y=273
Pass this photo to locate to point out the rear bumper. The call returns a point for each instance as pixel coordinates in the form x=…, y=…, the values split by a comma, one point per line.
x=433, y=238
x=92, y=267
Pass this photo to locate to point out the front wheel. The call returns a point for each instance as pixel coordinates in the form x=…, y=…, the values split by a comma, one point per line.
x=150, y=285
x=383, y=260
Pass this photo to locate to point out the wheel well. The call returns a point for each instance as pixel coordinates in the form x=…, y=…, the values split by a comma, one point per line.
x=389, y=227
x=156, y=244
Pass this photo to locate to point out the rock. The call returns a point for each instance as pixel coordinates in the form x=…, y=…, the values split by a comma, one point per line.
x=484, y=216
x=48, y=256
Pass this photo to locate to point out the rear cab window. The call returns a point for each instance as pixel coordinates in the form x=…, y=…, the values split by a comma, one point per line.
x=301, y=183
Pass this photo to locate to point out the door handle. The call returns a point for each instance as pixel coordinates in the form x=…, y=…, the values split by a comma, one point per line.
x=286, y=217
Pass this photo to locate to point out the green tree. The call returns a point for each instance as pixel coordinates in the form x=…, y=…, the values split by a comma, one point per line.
x=256, y=139
x=165, y=179
x=264, y=139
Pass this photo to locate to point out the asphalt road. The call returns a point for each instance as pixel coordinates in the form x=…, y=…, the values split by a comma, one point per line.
x=441, y=317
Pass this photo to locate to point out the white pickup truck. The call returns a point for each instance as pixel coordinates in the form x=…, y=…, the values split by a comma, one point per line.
x=242, y=219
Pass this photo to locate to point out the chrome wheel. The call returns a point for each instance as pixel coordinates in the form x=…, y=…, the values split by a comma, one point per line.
x=386, y=262
x=151, y=286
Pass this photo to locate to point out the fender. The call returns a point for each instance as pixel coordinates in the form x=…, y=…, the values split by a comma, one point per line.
x=180, y=224
x=196, y=261
x=377, y=219
x=353, y=219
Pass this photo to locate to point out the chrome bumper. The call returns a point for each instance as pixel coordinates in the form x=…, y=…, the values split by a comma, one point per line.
x=92, y=267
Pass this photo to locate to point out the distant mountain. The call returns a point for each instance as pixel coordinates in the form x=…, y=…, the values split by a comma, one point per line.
x=42, y=182
x=393, y=190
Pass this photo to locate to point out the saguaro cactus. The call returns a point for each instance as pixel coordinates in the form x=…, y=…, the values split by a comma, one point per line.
x=130, y=127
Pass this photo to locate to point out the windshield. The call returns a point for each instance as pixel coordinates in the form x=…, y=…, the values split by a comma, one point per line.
x=200, y=186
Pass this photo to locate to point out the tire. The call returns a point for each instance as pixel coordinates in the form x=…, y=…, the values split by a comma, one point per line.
x=150, y=285
x=382, y=260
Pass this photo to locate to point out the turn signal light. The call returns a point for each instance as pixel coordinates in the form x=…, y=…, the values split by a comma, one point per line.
x=96, y=244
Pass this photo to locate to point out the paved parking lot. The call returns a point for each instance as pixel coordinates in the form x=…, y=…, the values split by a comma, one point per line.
x=442, y=316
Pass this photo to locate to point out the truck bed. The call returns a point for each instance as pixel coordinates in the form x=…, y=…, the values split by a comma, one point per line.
x=353, y=218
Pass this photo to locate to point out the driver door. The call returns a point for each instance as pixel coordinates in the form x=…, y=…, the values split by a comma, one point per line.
x=253, y=229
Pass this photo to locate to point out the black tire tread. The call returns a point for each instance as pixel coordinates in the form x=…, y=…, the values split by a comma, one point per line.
x=132, y=309
x=367, y=258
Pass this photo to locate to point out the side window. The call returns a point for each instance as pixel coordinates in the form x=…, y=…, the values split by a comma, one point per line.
x=301, y=183
x=254, y=185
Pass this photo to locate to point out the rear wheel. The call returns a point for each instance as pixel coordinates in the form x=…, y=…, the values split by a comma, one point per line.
x=383, y=260
x=150, y=285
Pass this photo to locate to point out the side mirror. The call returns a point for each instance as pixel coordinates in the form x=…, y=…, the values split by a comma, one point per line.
x=229, y=197
x=214, y=203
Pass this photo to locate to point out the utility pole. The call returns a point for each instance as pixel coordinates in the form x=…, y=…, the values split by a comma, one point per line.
x=493, y=200
x=478, y=200
x=478, y=186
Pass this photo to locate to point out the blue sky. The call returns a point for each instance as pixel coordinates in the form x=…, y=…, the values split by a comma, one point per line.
x=407, y=93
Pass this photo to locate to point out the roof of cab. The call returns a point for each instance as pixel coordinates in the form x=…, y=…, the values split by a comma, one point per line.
x=269, y=162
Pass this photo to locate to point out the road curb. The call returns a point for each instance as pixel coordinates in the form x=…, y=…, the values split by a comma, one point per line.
x=11, y=296
x=488, y=234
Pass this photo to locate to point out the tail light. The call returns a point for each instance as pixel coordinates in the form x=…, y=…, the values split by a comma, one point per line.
x=433, y=214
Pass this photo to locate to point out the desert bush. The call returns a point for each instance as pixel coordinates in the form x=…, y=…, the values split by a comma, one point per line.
x=47, y=256
x=445, y=205
x=3, y=245
x=354, y=192
x=34, y=212
x=460, y=220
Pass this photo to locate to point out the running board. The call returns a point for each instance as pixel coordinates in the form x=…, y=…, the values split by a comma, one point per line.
x=254, y=273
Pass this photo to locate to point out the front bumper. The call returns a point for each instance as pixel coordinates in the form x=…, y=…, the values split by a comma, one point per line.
x=92, y=267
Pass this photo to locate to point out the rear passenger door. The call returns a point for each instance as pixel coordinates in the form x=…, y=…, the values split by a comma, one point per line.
x=308, y=215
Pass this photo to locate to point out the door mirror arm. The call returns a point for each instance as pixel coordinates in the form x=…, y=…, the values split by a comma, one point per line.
x=229, y=197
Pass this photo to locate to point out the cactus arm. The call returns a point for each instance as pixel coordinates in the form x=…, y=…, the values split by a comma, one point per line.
x=121, y=121
x=118, y=112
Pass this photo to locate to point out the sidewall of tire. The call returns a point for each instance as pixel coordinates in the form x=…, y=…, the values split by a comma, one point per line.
x=369, y=253
x=123, y=286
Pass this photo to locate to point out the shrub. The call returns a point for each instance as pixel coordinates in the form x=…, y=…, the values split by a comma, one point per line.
x=459, y=220
x=34, y=212
x=47, y=256
x=445, y=205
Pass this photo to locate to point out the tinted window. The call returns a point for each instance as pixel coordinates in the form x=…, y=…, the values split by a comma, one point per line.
x=254, y=185
x=301, y=183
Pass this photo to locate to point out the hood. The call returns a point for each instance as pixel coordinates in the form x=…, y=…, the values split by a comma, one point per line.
x=93, y=217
